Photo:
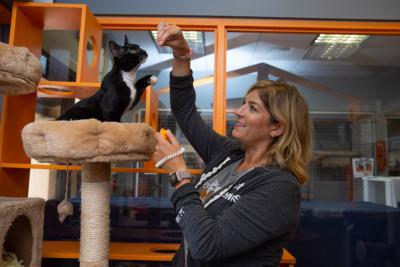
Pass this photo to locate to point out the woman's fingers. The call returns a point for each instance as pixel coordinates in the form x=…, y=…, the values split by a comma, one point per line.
x=158, y=136
x=168, y=33
x=167, y=36
x=161, y=25
x=166, y=146
x=162, y=30
x=172, y=138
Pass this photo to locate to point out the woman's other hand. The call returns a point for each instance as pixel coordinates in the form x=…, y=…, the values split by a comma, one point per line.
x=171, y=35
x=166, y=147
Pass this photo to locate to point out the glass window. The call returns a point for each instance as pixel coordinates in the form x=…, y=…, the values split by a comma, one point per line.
x=59, y=63
x=352, y=197
x=351, y=91
x=59, y=55
x=158, y=63
x=140, y=207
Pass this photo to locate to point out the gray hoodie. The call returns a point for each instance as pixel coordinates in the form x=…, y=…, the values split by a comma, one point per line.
x=251, y=222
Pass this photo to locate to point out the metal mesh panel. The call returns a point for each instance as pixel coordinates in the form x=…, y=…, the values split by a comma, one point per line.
x=337, y=139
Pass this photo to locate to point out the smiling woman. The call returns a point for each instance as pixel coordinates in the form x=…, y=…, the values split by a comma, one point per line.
x=245, y=207
x=274, y=118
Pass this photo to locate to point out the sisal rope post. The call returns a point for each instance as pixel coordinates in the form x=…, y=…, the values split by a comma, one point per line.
x=95, y=214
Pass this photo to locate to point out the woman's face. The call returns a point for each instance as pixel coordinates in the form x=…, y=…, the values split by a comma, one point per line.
x=253, y=126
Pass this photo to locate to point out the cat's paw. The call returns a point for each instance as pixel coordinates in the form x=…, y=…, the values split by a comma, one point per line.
x=145, y=81
x=153, y=80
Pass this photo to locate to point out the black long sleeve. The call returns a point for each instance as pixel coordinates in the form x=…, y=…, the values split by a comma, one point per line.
x=251, y=223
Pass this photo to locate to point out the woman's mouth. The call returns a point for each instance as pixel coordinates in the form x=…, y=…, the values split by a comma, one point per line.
x=239, y=125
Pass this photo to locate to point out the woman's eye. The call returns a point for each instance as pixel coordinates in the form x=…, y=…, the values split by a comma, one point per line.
x=253, y=108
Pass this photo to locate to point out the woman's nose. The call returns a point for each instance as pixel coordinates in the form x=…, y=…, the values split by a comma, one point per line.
x=239, y=111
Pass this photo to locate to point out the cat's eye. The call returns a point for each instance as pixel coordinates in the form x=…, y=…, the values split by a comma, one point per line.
x=132, y=51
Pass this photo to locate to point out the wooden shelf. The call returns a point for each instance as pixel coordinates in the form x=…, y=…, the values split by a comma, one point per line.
x=47, y=166
x=61, y=89
x=118, y=251
x=38, y=166
x=128, y=251
x=53, y=17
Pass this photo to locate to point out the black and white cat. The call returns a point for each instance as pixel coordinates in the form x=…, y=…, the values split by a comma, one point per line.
x=119, y=91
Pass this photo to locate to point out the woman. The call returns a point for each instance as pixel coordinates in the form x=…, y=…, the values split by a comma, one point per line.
x=245, y=207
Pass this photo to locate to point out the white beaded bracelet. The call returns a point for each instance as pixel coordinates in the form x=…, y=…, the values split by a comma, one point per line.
x=169, y=157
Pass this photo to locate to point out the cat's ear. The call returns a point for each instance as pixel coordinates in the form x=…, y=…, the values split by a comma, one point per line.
x=126, y=40
x=114, y=48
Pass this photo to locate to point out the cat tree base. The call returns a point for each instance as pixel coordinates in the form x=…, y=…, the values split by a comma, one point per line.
x=95, y=144
x=21, y=228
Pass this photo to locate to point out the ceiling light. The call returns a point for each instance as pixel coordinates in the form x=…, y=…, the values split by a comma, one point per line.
x=344, y=39
x=335, y=46
x=195, y=41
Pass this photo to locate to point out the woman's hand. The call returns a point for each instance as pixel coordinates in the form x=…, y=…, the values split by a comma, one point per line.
x=171, y=35
x=167, y=147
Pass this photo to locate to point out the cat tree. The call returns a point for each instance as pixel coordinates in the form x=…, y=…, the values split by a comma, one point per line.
x=94, y=144
x=21, y=223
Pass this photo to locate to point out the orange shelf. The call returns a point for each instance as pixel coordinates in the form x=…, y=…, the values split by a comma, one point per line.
x=38, y=166
x=59, y=16
x=53, y=17
x=62, y=89
x=46, y=166
x=118, y=251
x=128, y=251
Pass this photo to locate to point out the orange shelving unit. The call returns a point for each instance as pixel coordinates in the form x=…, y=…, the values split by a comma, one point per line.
x=28, y=21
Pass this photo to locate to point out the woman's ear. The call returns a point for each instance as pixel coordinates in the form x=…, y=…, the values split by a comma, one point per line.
x=277, y=131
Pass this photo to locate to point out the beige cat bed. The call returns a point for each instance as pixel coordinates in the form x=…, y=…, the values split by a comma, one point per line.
x=20, y=70
x=21, y=228
x=95, y=144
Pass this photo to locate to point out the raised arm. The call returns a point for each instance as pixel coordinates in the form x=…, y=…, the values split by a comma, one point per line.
x=202, y=137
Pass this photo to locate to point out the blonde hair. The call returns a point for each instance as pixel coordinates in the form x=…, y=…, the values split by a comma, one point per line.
x=286, y=106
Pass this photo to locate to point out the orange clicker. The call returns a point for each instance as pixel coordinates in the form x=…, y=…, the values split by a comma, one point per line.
x=163, y=133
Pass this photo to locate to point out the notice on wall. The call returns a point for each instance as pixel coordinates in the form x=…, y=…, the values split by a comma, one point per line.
x=363, y=167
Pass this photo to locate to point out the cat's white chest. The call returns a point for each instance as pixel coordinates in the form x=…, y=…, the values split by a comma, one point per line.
x=129, y=77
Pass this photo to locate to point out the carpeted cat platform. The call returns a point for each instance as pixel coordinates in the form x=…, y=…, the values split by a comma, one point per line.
x=88, y=141
x=21, y=228
x=95, y=144
x=20, y=70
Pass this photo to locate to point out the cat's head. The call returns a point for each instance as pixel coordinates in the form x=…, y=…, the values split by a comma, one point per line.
x=127, y=57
